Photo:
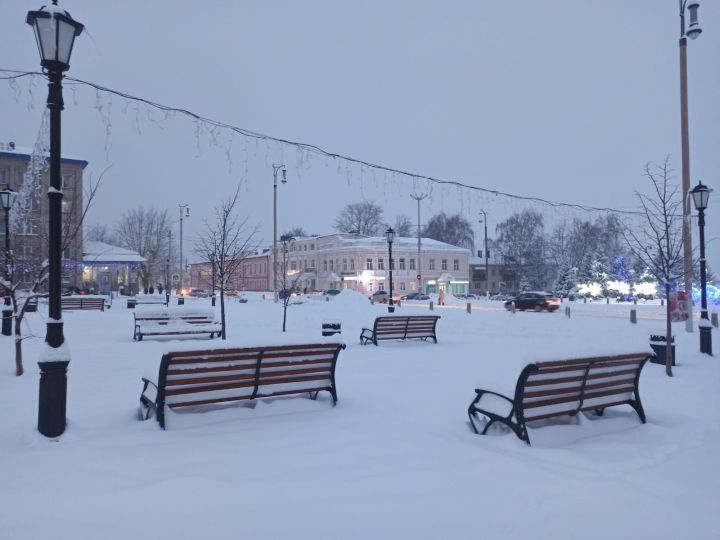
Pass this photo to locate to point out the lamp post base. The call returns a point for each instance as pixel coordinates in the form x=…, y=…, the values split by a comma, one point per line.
x=53, y=398
x=706, y=340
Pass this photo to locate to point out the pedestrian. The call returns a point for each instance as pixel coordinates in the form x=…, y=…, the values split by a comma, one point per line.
x=441, y=297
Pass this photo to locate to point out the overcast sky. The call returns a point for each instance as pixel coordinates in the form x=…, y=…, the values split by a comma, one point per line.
x=564, y=100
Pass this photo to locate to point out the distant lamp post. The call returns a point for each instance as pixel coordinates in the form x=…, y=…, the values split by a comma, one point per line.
x=55, y=31
x=692, y=31
x=485, y=252
x=7, y=199
x=700, y=196
x=184, y=213
x=390, y=236
x=276, y=168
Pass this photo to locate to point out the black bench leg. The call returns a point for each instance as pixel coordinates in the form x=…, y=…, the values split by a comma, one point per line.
x=314, y=395
x=637, y=405
x=600, y=411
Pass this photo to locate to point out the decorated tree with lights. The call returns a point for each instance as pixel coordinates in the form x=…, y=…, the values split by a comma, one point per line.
x=566, y=280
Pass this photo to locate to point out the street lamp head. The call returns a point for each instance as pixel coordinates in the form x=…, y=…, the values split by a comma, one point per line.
x=390, y=235
x=55, y=32
x=284, y=178
x=187, y=211
x=700, y=195
x=7, y=198
x=694, y=29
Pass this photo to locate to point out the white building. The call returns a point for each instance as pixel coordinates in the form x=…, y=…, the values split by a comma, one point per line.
x=354, y=261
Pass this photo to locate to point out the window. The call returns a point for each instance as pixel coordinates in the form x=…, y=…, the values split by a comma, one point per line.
x=370, y=287
x=28, y=227
x=344, y=266
x=456, y=264
x=381, y=286
x=66, y=253
x=304, y=247
x=312, y=263
x=392, y=264
x=3, y=176
x=29, y=253
x=324, y=265
x=402, y=285
x=31, y=204
x=2, y=226
x=381, y=263
x=402, y=263
x=431, y=264
x=293, y=265
x=443, y=264
x=19, y=178
x=331, y=265
x=312, y=247
x=68, y=181
x=352, y=264
x=368, y=264
x=412, y=264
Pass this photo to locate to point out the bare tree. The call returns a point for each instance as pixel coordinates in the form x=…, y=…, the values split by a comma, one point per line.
x=364, y=218
x=403, y=226
x=454, y=230
x=145, y=232
x=296, y=232
x=10, y=282
x=521, y=244
x=290, y=278
x=228, y=241
x=658, y=242
x=100, y=233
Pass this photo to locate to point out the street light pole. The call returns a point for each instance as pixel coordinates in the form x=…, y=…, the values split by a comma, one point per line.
x=693, y=31
x=701, y=195
x=419, y=198
x=390, y=236
x=485, y=252
x=55, y=32
x=276, y=168
x=182, y=207
x=7, y=199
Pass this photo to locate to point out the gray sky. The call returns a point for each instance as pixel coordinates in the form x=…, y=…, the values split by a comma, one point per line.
x=562, y=100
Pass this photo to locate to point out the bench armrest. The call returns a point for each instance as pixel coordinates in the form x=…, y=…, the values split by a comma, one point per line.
x=493, y=406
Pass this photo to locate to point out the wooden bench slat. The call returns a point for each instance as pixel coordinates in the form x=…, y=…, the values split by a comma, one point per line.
x=212, y=401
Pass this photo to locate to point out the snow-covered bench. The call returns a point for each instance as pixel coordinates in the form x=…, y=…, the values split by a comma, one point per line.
x=82, y=302
x=562, y=388
x=396, y=327
x=146, y=299
x=175, y=321
x=205, y=377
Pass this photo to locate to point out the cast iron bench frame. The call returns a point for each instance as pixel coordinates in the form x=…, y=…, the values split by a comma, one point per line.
x=576, y=385
x=161, y=324
x=69, y=303
x=183, y=375
x=400, y=327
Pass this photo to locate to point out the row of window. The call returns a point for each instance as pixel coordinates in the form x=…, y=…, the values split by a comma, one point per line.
x=68, y=180
x=431, y=264
x=331, y=265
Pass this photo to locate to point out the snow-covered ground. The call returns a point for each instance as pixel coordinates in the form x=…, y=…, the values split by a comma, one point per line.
x=394, y=459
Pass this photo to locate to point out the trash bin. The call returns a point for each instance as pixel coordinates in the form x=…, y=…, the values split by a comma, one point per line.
x=181, y=301
x=658, y=343
x=330, y=328
x=131, y=302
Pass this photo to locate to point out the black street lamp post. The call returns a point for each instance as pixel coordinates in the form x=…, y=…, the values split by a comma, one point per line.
x=55, y=31
x=7, y=198
x=390, y=236
x=700, y=195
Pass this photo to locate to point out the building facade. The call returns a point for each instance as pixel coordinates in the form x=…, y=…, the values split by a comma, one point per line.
x=352, y=261
x=29, y=216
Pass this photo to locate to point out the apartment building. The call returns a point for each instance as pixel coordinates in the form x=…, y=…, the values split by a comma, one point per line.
x=353, y=261
x=29, y=217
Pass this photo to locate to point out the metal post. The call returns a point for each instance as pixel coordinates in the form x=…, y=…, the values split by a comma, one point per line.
x=391, y=306
x=419, y=198
x=53, y=380
x=685, y=148
x=487, y=269
x=276, y=168
x=7, y=311
x=705, y=328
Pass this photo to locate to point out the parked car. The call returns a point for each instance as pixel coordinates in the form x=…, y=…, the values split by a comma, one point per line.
x=199, y=293
x=331, y=292
x=415, y=296
x=382, y=297
x=535, y=300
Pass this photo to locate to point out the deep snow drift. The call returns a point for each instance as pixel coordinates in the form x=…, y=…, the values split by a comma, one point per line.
x=394, y=459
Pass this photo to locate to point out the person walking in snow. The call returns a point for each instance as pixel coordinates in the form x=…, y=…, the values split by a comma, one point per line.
x=441, y=298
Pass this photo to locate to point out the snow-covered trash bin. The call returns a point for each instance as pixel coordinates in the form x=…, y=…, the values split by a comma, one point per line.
x=658, y=343
x=330, y=328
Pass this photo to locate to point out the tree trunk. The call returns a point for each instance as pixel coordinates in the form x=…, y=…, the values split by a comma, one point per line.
x=668, y=333
x=222, y=311
x=18, y=346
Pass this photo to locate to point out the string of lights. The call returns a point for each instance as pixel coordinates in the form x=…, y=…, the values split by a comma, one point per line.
x=14, y=74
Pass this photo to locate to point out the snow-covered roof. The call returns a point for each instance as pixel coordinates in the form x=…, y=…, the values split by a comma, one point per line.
x=346, y=240
x=100, y=252
x=12, y=150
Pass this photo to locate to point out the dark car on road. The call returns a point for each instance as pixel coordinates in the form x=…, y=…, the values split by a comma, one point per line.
x=415, y=296
x=534, y=300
